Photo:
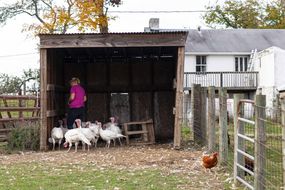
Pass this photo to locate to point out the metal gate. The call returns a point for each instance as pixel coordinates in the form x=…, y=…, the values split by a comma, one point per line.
x=244, y=143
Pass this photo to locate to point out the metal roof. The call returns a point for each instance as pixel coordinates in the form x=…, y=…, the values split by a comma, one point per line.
x=233, y=40
x=129, y=39
x=123, y=33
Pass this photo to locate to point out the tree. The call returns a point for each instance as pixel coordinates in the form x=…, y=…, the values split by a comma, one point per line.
x=10, y=84
x=53, y=16
x=246, y=14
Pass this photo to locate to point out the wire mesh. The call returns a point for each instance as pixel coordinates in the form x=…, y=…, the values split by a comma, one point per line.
x=272, y=177
x=272, y=171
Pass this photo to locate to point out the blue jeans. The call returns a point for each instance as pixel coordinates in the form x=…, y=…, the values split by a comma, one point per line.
x=73, y=114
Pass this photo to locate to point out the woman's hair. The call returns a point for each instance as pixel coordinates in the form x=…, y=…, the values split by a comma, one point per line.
x=74, y=79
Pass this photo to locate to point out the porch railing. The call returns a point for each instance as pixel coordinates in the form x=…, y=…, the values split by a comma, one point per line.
x=231, y=80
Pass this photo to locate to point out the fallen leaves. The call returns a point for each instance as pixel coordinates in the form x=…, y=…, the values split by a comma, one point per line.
x=168, y=161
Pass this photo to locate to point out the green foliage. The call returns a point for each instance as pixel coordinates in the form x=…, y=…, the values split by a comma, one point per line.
x=10, y=84
x=53, y=16
x=25, y=137
x=246, y=14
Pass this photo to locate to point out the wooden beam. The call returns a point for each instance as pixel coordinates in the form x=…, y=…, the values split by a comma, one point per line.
x=179, y=97
x=223, y=127
x=43, y=83
x=4, y=120
x=211, y=119
x=113, y=40
x=282, y=101
x=260, y=140
x=11, y=97
x=9, y=109
x=54, y=87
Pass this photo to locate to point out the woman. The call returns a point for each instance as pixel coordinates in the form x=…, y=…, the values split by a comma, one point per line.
x=77, y=99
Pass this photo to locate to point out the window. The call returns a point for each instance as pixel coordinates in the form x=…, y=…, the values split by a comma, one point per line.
x=241, y=63
x=201, y=63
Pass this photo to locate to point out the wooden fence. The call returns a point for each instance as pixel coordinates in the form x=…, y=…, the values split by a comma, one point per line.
x=251, y=145
x=15, y=109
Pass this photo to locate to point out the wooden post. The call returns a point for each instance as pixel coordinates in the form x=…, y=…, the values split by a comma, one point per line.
x=260, y=139
x=179, y=97
x=186, y=105
x=195, y=111
x=211, y=119
x=43, y=84
x=238, y=128
x=282, y=101
x=223, y=127
x=221, y=80
x=203, y=117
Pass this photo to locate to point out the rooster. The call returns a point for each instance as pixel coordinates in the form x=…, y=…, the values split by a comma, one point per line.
x=210, y=161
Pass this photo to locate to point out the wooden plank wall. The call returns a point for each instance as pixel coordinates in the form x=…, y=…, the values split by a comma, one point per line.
x=101, y=75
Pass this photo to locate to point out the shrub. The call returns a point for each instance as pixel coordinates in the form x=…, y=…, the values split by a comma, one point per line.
x=25, y=137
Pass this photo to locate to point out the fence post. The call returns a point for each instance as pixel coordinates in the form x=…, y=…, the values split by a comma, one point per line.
x=283, y=136
x=221, y=80
x=186, y=107
x=260, y=139
x=238, y=128
x=195, y=102
x=196, y=111
x=211, y=119
x=223, y=126
x=203, y=106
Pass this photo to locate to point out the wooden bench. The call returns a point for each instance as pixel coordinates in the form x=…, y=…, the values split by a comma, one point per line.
x=146, y=132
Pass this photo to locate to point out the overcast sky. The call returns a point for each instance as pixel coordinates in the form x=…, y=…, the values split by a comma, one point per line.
x=16, y=47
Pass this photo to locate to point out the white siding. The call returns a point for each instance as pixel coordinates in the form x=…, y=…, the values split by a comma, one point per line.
x=215, y=63
x=266, y=71
x=271, y=67
x=279, y=68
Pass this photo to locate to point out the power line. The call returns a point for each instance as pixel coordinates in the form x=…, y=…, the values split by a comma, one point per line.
x=17, y=55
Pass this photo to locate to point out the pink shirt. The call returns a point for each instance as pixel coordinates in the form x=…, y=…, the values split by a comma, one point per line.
x=78, y=100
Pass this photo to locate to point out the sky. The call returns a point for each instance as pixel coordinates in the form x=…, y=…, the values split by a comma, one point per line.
x=18, y=50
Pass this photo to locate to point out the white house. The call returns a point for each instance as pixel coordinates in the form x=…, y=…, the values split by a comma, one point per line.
x=211, y=50
x=243, y=60
x=270, y=63
x=255, y=59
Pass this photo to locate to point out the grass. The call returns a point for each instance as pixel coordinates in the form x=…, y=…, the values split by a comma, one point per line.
x=42, y=176
x=15, y=103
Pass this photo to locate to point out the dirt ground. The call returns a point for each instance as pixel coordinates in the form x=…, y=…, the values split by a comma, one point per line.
x=185, y=162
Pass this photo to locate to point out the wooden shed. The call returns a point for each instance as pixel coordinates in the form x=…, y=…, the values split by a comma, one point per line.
x=136, y=76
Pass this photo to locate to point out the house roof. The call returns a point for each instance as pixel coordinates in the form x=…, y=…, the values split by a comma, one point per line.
x=233, y=40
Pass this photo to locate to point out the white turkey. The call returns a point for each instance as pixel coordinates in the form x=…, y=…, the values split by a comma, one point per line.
x=75, y=136
x=108, y=135
x=91, y=132
x=57, y=134
x=113, y=126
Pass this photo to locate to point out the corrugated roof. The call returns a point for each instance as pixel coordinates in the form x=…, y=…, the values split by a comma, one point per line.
x=123, y=33
x=234, y=40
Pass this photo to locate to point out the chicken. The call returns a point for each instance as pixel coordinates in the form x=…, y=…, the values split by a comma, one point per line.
x=249, y=164
x=210, y=161
x=74, y=136
x=108, y=135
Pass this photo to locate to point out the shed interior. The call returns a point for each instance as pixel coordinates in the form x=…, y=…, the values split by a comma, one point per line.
x=133, y=83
